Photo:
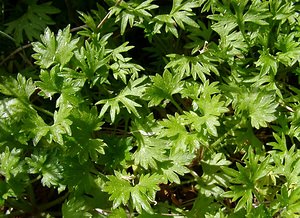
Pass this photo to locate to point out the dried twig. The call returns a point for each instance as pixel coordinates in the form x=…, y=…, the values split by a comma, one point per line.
x=15, y=52
x=107, y=15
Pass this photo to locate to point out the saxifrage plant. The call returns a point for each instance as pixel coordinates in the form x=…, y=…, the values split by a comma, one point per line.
x=188, y=108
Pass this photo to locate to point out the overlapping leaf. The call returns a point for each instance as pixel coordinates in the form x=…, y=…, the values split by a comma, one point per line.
x=54, y=49
x=180, y=14
x=134, y=88
x=121, y=189
x=133, y=12
x=163, y=88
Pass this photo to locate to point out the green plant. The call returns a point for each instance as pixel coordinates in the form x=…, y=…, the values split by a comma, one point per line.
x=197, y=118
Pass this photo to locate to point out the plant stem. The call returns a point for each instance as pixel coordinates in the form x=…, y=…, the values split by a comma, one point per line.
x=15, y=52
x=53, y=203
x=176, y=105
x=107, y=15
x=43, y=110
x=220, y=139
x=241, y=24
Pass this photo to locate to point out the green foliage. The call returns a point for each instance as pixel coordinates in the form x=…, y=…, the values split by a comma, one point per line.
x=176, y=108
x=180, y=14
x=134, y=13
x=54, y=50
x=163, y=87
x=33, y=22
x=122, y=188
x=131, y=90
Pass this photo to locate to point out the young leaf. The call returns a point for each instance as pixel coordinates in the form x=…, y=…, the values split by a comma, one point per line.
x=19, y=88
x=132, y=13
x=174, y=129
x=175, y=165
x=150, y=151
x=48, y=166
x=198, y=66
x=121, y=189
x=54, y=50
x=91, y=58
x=181, y=13
x=260, y=107
x=211, y=108
x=163, y=87
x=133, y=89
x=246, y=180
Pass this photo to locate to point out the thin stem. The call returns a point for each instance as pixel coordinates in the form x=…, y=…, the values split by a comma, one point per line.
x=15, y=52
x=7, y=36
x=220, y=139
x=176, y=105
x=75, y=29
x=241, y=24
x=107, y=15
x=258, y=197
x=43, y=110
x=53, y=203
x=32, y=195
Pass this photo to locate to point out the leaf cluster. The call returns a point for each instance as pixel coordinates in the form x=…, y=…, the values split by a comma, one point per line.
x=199, y=119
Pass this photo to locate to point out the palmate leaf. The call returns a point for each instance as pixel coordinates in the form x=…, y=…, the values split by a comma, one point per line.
x=132, y=89
x=121, y=66
x=198, y=66
x=33, y=22
x=54, y=50
x=288, y=164
x=75, y=208
x=175, y=165
x=150, y=151
x=163, y=87
x=50, y=82
x=133, y=12
x=257, y=13
x=225, y=24
x=289, y=48
x=91, y=58
x=13, y=169
x=81, y=143
x=294, y=129
x=180, y=14
x=205, y=206
x=259, y=105
x=61, y=125
x=232, y=43
x=284, y=11
x=48, y=165
x=10, y=162
x=267, y=63
x=61, y=81
x=263, y=111
x=19, y=88
x=174, y=129
x=246, y=180
x=289, y=202
x=37, y=128
x=122, y=69
x=12, y=112
x=207, y=107
x=122, y=189
x=211, y=108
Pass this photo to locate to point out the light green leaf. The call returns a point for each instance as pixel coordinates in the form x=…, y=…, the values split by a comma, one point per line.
x=54, y=50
